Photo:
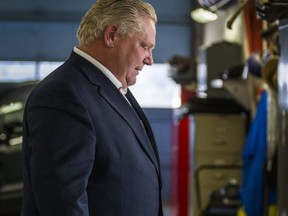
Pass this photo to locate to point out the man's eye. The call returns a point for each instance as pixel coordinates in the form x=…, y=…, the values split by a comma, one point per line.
x=144, y=47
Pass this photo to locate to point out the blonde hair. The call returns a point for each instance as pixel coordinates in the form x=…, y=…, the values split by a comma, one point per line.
x=127, y=15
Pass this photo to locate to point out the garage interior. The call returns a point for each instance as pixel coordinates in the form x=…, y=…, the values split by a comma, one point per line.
x=217, y=99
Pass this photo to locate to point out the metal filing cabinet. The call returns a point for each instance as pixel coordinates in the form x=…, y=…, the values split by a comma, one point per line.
x=216, y=139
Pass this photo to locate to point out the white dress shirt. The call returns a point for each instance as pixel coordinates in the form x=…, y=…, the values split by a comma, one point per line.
x=102, y=68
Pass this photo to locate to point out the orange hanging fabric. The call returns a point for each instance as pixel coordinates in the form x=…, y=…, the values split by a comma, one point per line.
x=253, y=28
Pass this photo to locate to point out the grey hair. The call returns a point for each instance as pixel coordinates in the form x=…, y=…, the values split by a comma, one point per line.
x=127, y=15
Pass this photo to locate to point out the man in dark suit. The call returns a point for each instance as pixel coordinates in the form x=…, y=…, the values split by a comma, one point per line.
x=88, y=148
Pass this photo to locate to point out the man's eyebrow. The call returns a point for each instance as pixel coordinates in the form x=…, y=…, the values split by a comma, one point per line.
x=150, y=45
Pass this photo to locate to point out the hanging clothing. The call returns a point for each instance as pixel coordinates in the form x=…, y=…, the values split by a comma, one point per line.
x=254, y=160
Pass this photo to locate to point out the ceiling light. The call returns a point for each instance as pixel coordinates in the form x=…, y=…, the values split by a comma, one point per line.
x=203, y=16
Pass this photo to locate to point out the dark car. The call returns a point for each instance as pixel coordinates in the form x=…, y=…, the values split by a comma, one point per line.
x=12, y=104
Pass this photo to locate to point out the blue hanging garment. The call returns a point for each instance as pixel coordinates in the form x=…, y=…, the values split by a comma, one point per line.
x=254, y=159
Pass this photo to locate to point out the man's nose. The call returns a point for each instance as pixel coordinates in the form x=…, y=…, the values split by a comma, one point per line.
x=149, y=59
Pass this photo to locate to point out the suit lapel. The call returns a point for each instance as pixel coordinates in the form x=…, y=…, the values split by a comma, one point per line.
x=145, y=121
x=119, y=103
x=148, y=129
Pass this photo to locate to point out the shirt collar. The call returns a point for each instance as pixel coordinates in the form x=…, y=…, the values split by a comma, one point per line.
x=102, y=68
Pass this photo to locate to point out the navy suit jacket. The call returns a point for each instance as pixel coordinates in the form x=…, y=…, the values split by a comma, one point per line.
x=85, y=151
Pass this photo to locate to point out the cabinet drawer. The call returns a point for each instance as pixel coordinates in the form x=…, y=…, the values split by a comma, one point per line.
x=224, y=143
x=218, y=132
x=221, y=121
x=219, y=177
x=231, y=158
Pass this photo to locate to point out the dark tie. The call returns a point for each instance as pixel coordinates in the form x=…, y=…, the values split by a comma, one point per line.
x=150, y=135
x=144, y=120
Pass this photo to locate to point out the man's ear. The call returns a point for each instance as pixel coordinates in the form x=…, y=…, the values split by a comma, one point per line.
x=109, y=35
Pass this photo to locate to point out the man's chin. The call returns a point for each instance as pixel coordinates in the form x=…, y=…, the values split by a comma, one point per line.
x=131, y=82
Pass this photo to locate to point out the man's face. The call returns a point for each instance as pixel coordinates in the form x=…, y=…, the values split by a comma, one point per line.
x=135, y=52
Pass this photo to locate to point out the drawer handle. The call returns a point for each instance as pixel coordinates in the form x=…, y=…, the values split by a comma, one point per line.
x=219, y=176
x=219, y=142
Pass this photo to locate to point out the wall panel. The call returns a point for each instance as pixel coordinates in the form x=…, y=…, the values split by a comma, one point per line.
x=39, y=30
